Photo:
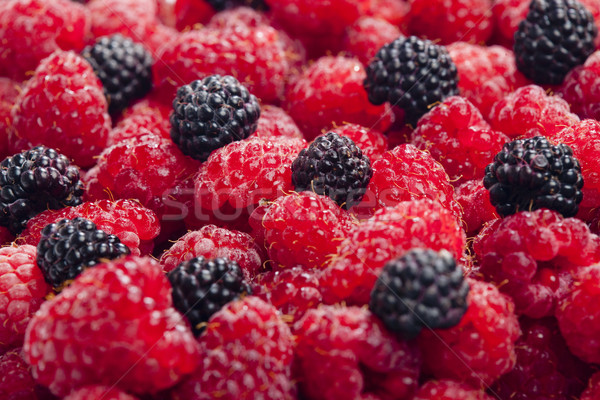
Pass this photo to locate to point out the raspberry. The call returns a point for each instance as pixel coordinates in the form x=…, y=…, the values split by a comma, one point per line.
x=366, y=35
x=302, y=229
x=62, y=106
x=530, y=174
x=22, y=291
x=134, y=225
x=576, y=314
x=528, y=254
x=191, y=12
x=547, y=48
x=274, y=122
x=422, y=288
x=346, y=353
x=9, y=90
x=33, y=181
x=542, y=348
x=212, y=242
x=70, y=246
x=406, y=173
x=16, y=382
x=333, y=166
x=593, y=390
x=32, y=29
x=485, y=74
x=108, y=306
x=481, y=347
x=249, y=335
x=458, y=137
x=141, y=168
x=226, y=51
x=371, y=142
x=201, y=287
x=330, y=92
x=394, y=12
x=446, y=389
x=236, y=177
x=292, y=291
x=211, y=113
x=451, y=21
x=474, y=199
x=529, y=111
x=145, y=116
x=124, y=68
x=93, y=392
x=579, y=88
x=387, y=235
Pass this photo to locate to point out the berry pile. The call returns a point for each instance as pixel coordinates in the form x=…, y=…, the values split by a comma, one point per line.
x=299, y=199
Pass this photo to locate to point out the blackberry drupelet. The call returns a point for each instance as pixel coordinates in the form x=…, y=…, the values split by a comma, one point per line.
x=422, y=288
x=201, y=287
x=211, y=113
x=333, y=166
x=68, y=247
x=529, y=174
x=123, y=66
x=34, y=181
x=556, y=36
x=413, y=74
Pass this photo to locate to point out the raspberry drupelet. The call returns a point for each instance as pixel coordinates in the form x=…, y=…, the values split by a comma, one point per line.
x=99, y=392
x=447, y=389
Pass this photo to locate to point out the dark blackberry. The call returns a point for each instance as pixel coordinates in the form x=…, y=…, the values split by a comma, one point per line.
x=68, y=247
x=220, y=5
x=422, y=288
x=211, y=113
x=202, y=287
x=124, y=68
x=34, y=181
x=556, y=36
x=529, y=174
x=333, y=166
x=413, y=74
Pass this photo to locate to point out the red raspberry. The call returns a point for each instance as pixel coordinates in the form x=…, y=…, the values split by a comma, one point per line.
x=9, y=90
x=236, y=177
x=367, y=35
x=580, y=88
x=485, y=74
x=145, y=116
x=394, y=11
x=406, y=173
x=16, y=382
x=387, y=235
x=96, y=392
x=449, y=21
x=593, y=390
x=62, y=107
x=372, y=142
x=481, y=347
x=545, y=369
x=32, y=29
x=22, y=291
x=212, y=242
x=191, y=12
x=474, y=200
x=274, y=121
x=302, y=229
x=346, y=353
x=577, y=314
x=258, y=56
x=530, y=112
x=292, y=291
x=247, y=354
x=458, y=137
x=136, y=226
x=331, y=92
x=446, y=389
x=114, y=325
x=528, y=256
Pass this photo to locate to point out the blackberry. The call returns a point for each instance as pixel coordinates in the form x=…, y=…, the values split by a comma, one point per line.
x=413, y=74
x=211, y=113
x=34, y=181
x=220, y=5
x=529, y=174
x=201, y=287
x=124, y=68
x=556, y=36
x=422, y=288
x=335, y=167
x=67, y=247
